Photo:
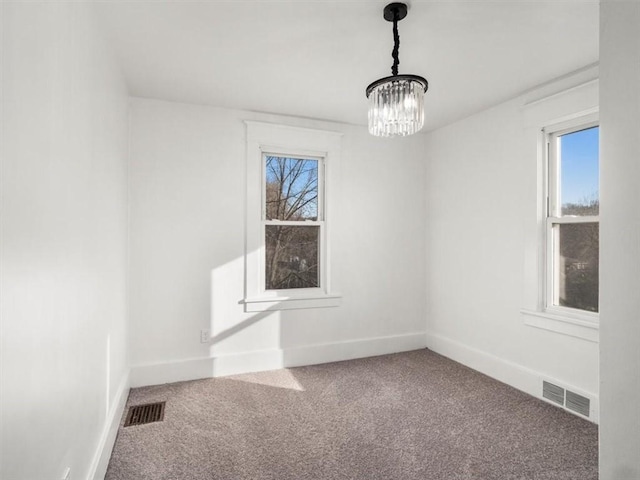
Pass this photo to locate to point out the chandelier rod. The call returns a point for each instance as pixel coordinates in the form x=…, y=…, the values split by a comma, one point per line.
x=396, y=44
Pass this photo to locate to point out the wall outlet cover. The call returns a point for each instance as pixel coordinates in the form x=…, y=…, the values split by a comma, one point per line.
x=205, y=337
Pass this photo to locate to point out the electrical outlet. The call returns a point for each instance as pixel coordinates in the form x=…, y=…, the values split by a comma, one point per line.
x=204, y=336
x=67, y=474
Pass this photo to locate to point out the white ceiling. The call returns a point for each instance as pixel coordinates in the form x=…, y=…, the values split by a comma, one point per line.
x=314, y=58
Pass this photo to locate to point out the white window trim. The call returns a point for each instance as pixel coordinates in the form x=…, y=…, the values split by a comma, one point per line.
x=322, y=250
x=565, y=320
x=267, y=138
x=573, y=327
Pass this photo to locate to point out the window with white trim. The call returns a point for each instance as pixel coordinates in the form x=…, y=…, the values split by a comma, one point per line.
x=572, y=220
x=292, y=184
x=293, y=218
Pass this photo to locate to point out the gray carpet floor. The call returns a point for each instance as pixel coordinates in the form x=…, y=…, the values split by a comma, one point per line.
x=407, y=416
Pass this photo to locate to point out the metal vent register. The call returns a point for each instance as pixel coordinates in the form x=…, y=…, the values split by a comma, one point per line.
x=578, y=403
x=565, y=398
x=553, y=392
x=147, y=413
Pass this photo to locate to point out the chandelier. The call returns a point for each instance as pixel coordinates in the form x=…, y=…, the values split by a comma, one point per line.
x=396, y=103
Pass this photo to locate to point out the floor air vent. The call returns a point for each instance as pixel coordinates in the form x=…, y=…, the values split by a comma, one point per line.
x=148, y=413
x=578, y=403
x=553, y=392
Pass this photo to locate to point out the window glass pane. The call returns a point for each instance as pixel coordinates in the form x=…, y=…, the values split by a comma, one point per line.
x=579, y=172
x=291, y=256
x=577, y=265
x=291, y=188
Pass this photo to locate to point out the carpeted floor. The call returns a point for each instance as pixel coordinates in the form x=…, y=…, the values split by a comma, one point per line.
x=407, y=416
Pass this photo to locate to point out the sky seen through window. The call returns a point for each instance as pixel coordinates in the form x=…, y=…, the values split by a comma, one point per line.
x=579, y=168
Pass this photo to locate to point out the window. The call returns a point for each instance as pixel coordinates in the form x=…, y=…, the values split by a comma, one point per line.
x=293, y=221
x=572, y=223
x=290, y=171
x=552, y=120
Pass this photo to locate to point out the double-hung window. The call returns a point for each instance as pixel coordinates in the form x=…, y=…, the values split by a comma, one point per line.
x=292, y=189
x=572, y=221
x=293, y=218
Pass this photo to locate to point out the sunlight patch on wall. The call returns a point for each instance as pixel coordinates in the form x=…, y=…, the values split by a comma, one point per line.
x=232, y=329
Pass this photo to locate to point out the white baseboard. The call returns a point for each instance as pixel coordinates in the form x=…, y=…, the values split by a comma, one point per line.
x=170, y=372
x=351, y=349
x=513, y=374
x=222, y=365
x=258, y=361
x=100, y=462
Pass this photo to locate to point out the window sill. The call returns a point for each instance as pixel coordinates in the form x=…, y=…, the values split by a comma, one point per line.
x=263, y=304
x=585, y=328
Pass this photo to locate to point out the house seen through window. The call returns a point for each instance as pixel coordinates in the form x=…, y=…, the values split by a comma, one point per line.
x=573, y=219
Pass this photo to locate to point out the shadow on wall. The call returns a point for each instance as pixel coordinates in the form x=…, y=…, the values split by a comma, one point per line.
x=254, y=341
x=231, y=331
x=240, y=341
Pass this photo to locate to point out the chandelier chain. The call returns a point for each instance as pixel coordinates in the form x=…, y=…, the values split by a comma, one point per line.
x=396, y=45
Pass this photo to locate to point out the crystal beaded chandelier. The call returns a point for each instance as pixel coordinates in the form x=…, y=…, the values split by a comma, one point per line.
x=396, y=103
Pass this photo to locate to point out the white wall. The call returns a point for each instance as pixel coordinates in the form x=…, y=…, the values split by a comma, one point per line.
x=620, y=240
x=64, y=129
x=187, y=248
x=483, y=212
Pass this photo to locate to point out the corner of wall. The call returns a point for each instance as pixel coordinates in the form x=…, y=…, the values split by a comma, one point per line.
x=524, y=379
x=102, y=455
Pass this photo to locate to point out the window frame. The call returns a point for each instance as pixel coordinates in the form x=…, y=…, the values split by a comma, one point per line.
x=320, y=222
x=551, y=208
x=294, y=142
